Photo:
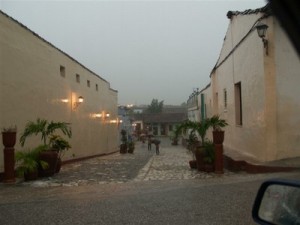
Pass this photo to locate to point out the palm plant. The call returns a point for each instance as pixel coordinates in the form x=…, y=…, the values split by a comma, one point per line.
x=209, y=151
x=175, y=135
x=28, y=161
x=199, y=127
x=45, y=128
x=217, y=123
x=53, y=144
x=58, y=143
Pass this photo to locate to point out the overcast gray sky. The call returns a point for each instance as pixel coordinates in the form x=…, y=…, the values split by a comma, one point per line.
x=145, y=49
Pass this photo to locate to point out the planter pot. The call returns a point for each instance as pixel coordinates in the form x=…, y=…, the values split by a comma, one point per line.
x=28, y=176
x=193, y=164
x=218, y=137
x=175, y=142
x=58, y=165
x=209, y=167
x=50, y=157
x=130, y=150
x=9, y=139
x=200, y=158
x=123, y=148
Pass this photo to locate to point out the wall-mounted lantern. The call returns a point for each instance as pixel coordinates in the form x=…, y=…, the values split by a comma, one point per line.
x=102, y=115
x=97, y=115
x=261, y=31
x=78, y=102
x=65, y=100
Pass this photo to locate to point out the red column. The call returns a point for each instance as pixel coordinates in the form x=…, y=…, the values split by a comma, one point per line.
x=219, y=167
x=9, y=165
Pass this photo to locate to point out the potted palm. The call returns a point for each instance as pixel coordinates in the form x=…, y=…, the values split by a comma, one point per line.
x=192, y=145
x=209, y=156
x=131, y=146
x=218, y=138
x=28, y=163
x=123, y=146
x=217, y=124
x=46, y=129
x=60, y=145
x=174, y=138
x=200, y=128
x=175, y=135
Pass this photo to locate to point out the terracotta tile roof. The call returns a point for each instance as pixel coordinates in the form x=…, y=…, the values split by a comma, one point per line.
x=266, y=9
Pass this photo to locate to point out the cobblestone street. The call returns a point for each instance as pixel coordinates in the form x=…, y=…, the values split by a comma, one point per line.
x=143, y=165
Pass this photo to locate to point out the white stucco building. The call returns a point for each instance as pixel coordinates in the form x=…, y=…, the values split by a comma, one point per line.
x=38, y=80
x=255, y=87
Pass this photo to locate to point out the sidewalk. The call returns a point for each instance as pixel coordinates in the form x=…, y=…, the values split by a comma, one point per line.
x=236, y=161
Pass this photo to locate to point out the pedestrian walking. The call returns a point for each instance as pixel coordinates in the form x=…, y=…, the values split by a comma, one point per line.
x=149, y=143
x=157, y=148
x=156, y=142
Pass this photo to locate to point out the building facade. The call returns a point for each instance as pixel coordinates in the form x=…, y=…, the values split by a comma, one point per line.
x=159, y=124
x=255, y=87
x=38, y=80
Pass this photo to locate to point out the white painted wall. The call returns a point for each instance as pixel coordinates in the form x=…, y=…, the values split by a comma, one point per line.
x=270, y=97
x=31, y=86
x=288, y=98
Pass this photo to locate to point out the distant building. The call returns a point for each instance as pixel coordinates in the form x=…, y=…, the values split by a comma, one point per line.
x=161, y=124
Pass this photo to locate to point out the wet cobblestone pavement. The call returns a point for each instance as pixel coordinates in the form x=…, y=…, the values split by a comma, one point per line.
x=143, y=165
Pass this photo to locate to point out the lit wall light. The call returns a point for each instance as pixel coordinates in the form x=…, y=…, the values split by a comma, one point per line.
x=78, y=102
x=101, y=115
x=97, y=115
x=65, y=100
x=261, y=31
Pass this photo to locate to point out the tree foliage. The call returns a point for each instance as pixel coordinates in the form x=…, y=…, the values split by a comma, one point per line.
x=155, y=106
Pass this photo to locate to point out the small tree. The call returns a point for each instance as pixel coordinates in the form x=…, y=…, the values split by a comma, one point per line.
x=155, y=106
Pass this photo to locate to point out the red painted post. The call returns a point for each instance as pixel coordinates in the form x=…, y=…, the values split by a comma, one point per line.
x=9, y=141
x=9, y=165
x=219, y=165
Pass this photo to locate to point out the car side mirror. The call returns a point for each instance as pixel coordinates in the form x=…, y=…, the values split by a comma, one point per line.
x=277, y=202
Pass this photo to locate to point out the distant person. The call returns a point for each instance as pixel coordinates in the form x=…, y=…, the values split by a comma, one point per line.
x=157, y=148
x=156, y=142
x=149, y=143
